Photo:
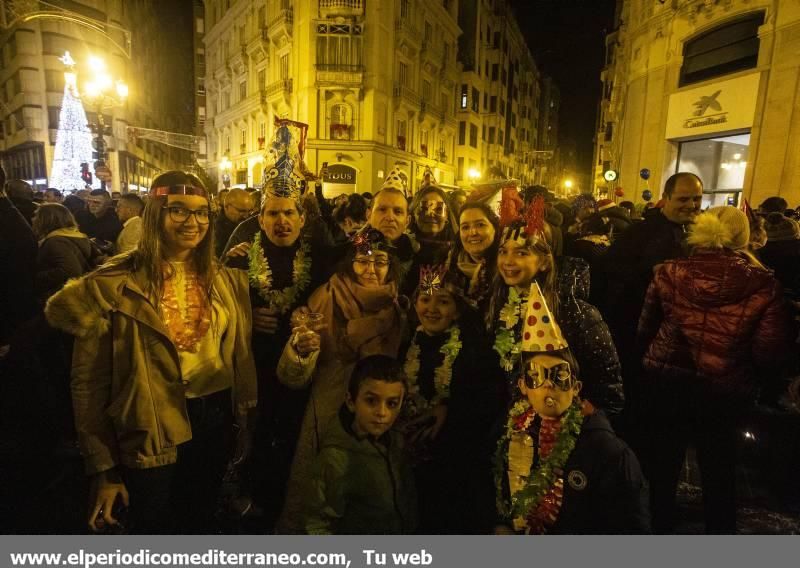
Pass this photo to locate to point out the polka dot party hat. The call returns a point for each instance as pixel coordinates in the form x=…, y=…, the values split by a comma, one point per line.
x=541, y=333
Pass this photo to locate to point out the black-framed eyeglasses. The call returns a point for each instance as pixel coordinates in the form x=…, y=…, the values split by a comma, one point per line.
x=180, y=214
x=364, y=263
x=560, y=375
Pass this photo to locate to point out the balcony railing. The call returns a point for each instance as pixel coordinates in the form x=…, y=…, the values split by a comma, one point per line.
x=340, y=131
x=403, y=92
x=284, y=85
x=329, y=8
x=335, y=74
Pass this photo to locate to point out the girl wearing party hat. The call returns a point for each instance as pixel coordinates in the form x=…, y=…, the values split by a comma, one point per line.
x=559, y=467
x=525, y=256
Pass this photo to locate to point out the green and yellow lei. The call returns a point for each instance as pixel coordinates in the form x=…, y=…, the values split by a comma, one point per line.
x=260, y=276
x=545, y=474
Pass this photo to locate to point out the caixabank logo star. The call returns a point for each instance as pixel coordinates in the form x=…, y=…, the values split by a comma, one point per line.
x=702, y=106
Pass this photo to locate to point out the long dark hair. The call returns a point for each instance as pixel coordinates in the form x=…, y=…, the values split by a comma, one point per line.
x=541, y=246
x=491, y=253
x=149, y=257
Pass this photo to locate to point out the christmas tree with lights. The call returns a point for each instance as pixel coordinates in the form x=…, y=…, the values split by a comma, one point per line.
x=73, y=138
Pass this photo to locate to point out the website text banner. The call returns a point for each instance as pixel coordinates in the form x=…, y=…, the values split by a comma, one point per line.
x=391, y=552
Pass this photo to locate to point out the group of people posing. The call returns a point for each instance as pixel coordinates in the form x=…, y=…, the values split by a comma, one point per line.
x=414, y=366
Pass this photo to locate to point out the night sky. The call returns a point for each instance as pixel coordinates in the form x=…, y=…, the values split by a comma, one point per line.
x=567, y=39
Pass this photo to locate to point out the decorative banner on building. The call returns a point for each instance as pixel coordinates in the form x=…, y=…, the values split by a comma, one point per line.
x=714, y=108
x=339, y=179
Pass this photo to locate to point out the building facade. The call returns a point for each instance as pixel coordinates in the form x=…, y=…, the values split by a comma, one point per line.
x=502, y=120
x=706, y=86
x=375, y=82
x=127, y=34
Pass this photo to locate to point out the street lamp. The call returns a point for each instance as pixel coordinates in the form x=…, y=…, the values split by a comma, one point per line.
x=568, y=184
x=98, y=90
x=473, y=174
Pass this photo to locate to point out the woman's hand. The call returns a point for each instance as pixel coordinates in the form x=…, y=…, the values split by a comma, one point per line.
x=239, y=250
x=306, y=341
x=106, y=487
x=428, y=424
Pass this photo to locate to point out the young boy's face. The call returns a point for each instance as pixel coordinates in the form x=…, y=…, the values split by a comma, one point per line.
x=549, y=385
x=376, y=407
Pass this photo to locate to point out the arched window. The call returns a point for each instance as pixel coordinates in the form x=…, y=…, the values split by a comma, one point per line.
x=726, y=49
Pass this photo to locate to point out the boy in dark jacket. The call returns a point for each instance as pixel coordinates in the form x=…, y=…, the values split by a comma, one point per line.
x=559, y=467
x=361, y=482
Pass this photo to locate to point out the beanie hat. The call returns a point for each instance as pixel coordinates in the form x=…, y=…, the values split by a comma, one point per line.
x=720, y=227
x=781, y=228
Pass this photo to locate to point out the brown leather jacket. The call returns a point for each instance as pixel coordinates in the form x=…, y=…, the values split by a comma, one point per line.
x=129, y=401
x=714, y=317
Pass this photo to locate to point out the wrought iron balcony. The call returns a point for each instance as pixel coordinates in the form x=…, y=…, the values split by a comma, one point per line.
x=330, y=8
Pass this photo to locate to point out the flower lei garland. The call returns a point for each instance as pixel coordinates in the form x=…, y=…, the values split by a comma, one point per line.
x=260, y=276
x=549, y=469
x=442, y=376
x=505, y=343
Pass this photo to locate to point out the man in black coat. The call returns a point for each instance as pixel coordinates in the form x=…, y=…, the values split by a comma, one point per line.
x=101, y=221
x=21, y=195
x=628, y=266
x=237, y=207
x=17, y=267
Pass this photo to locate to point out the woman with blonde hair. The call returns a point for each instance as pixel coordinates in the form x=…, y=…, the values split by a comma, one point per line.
x=161, y=367
x=712, y=325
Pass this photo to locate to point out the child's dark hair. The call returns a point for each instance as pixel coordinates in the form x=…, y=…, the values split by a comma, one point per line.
x=379, y=368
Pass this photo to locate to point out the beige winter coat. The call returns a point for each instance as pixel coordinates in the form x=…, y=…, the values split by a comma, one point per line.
x=129, y=401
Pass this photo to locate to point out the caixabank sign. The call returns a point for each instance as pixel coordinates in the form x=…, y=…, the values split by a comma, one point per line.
x=714, y=108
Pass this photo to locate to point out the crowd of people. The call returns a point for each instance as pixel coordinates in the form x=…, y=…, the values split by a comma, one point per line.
x=277, y=361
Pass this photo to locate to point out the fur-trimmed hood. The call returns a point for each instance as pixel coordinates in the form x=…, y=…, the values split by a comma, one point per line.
x=83, y=306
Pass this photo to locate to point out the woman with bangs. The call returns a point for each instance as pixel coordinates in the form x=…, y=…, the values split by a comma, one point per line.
x=525, y=255
x=363, y=315
x=161, y=367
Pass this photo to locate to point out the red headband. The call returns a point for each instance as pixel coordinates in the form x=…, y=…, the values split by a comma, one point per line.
x=163, y=190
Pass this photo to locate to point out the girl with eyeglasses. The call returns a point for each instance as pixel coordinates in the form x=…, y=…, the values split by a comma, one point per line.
x=363, y=316
x=161, y=367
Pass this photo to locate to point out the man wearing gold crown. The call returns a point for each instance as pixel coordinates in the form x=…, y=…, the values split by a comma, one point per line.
x=283, y=269
x=559, y=466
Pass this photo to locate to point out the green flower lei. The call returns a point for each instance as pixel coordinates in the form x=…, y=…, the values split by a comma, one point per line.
x=505, y=342
x=260, y=276
x=545, y=475
x=443, y=374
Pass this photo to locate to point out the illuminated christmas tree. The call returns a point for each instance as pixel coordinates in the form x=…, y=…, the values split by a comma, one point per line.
x=73, y=138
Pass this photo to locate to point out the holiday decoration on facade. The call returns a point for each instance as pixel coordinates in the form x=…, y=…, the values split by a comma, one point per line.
x=73, y=138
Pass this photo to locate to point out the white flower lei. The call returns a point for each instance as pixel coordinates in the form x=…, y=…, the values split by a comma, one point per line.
x=260, y=276
x=442, y=376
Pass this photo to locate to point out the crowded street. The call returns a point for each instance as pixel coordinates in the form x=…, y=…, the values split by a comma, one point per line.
x=264, y=271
